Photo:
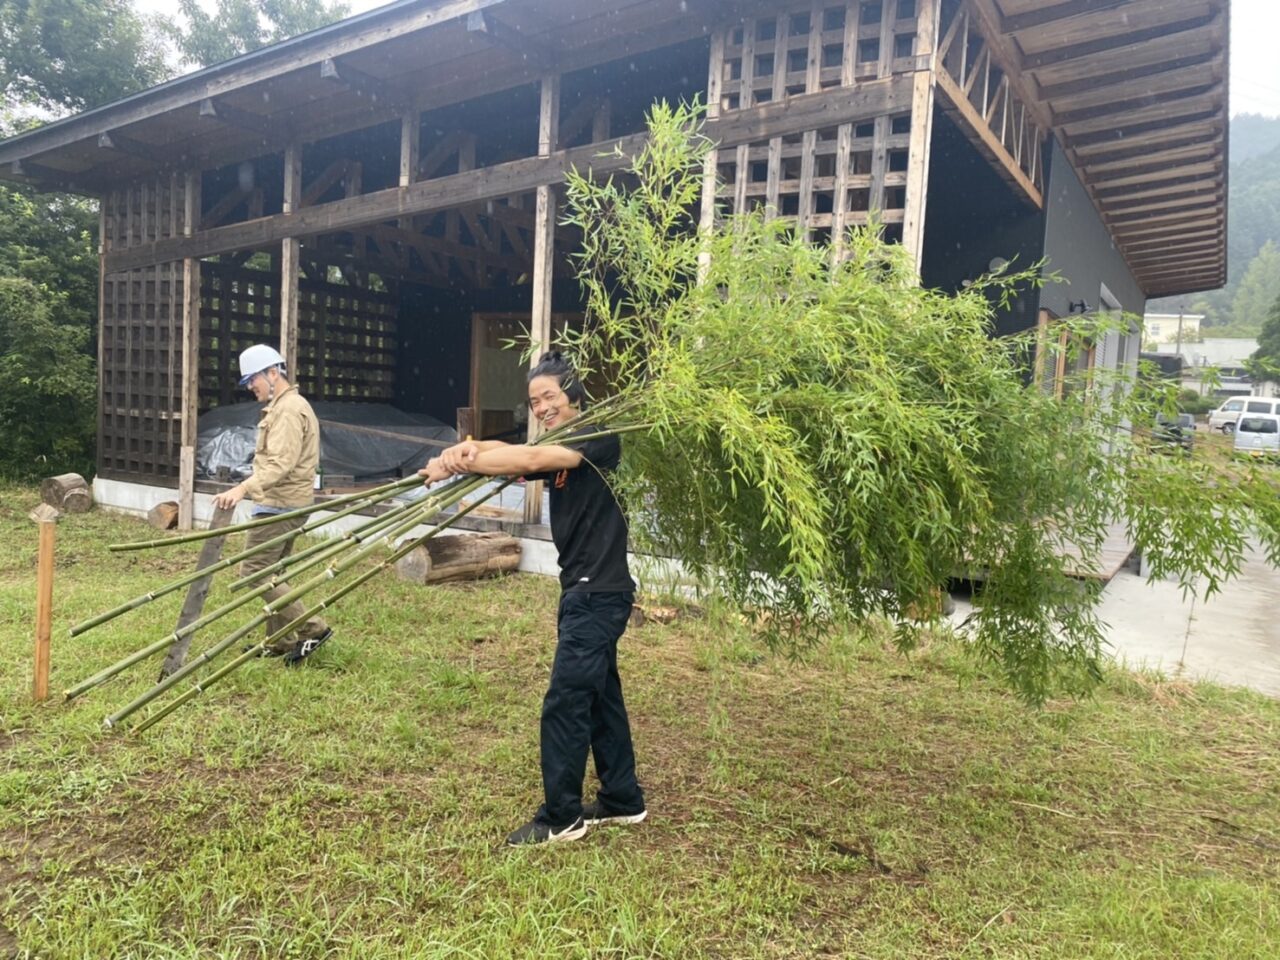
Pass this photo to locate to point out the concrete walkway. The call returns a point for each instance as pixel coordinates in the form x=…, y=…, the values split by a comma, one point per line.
x=1232, y=639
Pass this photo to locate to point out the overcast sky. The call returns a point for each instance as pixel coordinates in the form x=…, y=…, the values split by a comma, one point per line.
x=1255, y=66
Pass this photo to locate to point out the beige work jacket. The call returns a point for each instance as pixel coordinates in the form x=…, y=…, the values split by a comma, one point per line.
x=288, y=453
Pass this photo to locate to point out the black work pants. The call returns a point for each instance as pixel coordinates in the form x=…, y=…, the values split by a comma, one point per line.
x=583, y=710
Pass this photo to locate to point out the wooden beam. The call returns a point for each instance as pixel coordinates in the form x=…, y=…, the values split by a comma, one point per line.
x=360, y=83
x=1117, y=210
x=1139, y=231
x=1155, y=186
x=236, y=74
x=328, y=178
x=289, y=262
x=1175, y=254
x=1124, y=132
x=544, y=250
x=1161, y=98
x=114, y=140
x=1127, y=76
x=536, y=53
x=190, y=357
x=44, y=178
x=1196, y=134
x=235, y=117
x=1054, y=12
x=957, y=104
x=922, y=97
x=1208, y=160
x=1089, y=48
x=477, y=74
x=827, y=109
x=410, y=139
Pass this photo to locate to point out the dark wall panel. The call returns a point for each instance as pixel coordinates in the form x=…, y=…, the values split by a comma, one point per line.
x=1079, y=248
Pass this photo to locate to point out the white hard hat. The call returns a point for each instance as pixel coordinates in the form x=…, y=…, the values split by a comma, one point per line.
x=257, y=358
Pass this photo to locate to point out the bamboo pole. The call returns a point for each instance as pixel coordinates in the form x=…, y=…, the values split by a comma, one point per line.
x=254, y=652
x=45, y=517
x=377, y=529
x=220, y=565
x=375, y=495
x=319, y=553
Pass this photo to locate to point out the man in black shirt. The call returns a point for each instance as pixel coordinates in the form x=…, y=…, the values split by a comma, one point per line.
x=583, y=708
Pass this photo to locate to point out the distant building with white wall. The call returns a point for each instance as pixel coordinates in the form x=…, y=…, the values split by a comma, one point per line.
x=1163, y=327
x=1227, y=357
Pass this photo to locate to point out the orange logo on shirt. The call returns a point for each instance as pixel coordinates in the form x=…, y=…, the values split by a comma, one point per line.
x=562, y=478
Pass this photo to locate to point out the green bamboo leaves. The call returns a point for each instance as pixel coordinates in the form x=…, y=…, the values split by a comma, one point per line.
x=833, y=440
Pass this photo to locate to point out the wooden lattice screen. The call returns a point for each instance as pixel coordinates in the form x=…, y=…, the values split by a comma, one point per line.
x=346, y=336
x=140, y=348
x=827, y=179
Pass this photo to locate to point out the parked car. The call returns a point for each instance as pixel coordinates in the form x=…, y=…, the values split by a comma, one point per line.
x=1225, y=417
x=1179, y=430
x=1258, y=435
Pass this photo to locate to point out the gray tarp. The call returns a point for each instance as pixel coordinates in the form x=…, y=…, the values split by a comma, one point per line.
x=354, y=439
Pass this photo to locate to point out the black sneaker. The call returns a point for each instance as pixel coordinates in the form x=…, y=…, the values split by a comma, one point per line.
x=306, y=648
x=596, y=812
x=535, y=832
x=264, y=652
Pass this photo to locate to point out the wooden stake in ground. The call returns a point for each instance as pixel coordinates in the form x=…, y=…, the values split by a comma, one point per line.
x=67, y=493
x=45, y=517
x=193, y=606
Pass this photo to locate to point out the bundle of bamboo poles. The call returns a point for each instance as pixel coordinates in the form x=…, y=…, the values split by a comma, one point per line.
x=327, y=560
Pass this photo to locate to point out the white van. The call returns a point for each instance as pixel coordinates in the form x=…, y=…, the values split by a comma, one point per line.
x=1258, y=435
x=1225, y=417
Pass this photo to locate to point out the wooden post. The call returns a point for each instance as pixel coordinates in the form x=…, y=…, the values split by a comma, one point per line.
x=410, y=140
x=193, y=605
x=190, y=358
x=715, y=78
x=45, y=517
x=290, y=251
x=921, y=130
x=544, y=240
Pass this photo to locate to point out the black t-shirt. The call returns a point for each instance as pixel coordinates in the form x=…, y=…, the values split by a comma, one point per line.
x=587, y=524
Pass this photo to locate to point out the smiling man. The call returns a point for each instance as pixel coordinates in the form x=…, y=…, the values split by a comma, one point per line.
x=284, y=469
x=583, y=710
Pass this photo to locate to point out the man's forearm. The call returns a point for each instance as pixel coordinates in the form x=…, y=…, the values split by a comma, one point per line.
x=513, y=460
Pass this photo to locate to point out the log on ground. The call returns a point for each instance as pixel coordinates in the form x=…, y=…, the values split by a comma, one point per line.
x=67, y=492
x=164, y=515
x=461, y=557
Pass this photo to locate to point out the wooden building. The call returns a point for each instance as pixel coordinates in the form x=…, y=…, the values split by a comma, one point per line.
x=379, y=196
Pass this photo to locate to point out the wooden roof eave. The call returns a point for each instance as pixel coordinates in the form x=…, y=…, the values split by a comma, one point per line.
x=377, y=26
x=1136, y=93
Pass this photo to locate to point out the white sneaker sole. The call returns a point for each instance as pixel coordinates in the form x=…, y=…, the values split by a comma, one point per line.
x=569, y=833
x=620, y=818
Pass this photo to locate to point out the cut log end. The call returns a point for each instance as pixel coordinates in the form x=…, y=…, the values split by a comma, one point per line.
x=67, y=492
x=164, y=515
x=461, y=557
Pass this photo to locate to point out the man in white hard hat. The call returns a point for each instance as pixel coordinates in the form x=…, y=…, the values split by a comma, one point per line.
x=284, y=469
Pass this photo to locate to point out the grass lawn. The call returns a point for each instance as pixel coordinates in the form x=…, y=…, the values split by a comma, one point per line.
x=853, y=804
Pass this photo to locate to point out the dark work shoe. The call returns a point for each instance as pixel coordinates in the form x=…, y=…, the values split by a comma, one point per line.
x=535, y=832
x=596, y=813
x=306, y=648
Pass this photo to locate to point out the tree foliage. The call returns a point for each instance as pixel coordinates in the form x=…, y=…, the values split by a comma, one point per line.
x=1259, y=287
x=66, y=55
x=47, y=389
x=826, y=443
x=235, y=27
x=1265, y=362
